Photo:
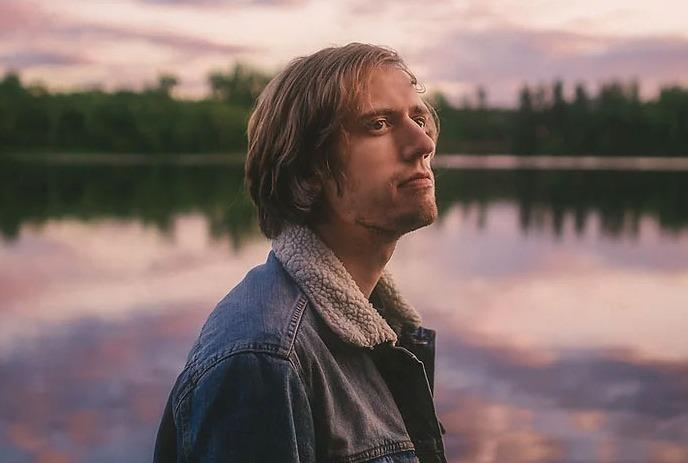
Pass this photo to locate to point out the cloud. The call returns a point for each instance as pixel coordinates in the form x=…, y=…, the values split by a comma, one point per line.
x=93, y=391
x=183, y=43
x=629, y=396
x=108, y=55
x=32, y=37
x=579, y=378
x=234, y=3
x=502, y=59
x=17, y=15
x=27, y=59
x=81, y=36
x=93, y=385
x=482, y=430
x=103, y=268
x=575, y=403
x=454, y=47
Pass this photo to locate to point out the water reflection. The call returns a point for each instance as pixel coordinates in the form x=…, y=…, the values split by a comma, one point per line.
x=502, y=404
x=548, y=292
x=111, y=269
x=91, y=390
x=155, y=194
x=554, y=348
x=548, y=200
x=561, y=311
x=152, y=195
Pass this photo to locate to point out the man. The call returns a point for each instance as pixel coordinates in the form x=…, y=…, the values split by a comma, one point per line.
x=315, y=356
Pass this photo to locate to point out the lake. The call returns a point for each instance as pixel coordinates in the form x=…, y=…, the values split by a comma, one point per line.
x=560, y=298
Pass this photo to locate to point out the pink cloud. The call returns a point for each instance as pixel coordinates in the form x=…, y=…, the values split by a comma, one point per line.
x=503, y=59
x=480, y=429
x=34, y=38
x=235, y=3
x=183, y=43
x=18, y=15
x=456, y=48
x=30, y=58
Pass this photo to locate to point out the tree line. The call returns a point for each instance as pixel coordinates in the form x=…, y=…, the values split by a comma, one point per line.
x=155, y=193
x=614, y=121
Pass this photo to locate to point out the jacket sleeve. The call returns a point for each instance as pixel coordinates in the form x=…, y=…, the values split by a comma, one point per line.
x=248, y=407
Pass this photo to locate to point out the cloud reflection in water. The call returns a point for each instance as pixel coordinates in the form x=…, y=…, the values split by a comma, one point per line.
x=568, y=350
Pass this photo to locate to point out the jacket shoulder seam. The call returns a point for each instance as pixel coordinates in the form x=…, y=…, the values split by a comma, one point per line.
x=388, y=448
x=295, y=322
x=196, y=374
x=197, y=371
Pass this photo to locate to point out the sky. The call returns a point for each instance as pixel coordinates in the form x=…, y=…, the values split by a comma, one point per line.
x=453, y=46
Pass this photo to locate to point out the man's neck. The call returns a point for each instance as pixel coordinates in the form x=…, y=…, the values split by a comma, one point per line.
x=364, y=252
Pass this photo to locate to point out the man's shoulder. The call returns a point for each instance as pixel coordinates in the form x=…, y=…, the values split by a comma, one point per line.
x=260, y=317
x=260, y=314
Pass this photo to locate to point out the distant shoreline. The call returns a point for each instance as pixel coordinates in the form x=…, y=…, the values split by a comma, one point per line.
x=512, y=162
x=130, y=158
x=443, y=161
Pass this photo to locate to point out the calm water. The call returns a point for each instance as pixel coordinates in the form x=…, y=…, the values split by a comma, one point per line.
x=560, y=300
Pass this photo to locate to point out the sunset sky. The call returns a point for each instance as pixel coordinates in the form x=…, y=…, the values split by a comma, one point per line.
x=452, y=45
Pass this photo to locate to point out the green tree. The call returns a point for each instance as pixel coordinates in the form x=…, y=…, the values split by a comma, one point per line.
x=166, y=83
x=240, y=86
x=525, y=124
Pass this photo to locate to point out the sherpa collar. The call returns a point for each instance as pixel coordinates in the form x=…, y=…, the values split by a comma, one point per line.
x=335, y=295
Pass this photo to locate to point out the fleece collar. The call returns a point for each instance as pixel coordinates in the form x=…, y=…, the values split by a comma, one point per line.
x=335, y=295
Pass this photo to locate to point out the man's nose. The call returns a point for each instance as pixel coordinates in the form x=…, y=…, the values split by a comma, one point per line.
x=416, y=143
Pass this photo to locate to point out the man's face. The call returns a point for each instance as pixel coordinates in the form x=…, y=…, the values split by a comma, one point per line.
x=388, y=184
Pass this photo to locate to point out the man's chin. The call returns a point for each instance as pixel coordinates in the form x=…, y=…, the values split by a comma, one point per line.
x=403, y=222
x=419, y=218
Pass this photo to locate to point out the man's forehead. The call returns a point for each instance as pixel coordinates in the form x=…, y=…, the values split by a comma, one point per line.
x=392, y=74
x=387, y=87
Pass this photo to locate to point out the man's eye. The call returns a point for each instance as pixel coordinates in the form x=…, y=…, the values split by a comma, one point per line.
x=421, y=121
x=378, y=124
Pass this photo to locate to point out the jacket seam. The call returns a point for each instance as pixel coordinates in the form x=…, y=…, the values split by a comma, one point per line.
x=196, y=381
x=295, y=322
x=196, y=372
x=377, y=452
x=196, y=376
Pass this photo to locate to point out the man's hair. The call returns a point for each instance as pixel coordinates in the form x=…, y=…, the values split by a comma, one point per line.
x=297, y=124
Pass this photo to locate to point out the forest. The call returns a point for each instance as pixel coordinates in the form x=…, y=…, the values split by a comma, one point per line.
x=549, y=119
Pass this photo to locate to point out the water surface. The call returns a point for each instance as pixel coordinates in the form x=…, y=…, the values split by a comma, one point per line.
x=559, y=299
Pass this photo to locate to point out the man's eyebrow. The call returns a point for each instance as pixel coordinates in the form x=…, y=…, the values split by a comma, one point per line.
x=388, y=111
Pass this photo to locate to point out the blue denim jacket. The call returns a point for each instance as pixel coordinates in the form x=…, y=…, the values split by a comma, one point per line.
x=268, y=381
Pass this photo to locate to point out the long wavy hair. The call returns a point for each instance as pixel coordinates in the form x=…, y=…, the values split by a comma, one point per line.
x=297, y=125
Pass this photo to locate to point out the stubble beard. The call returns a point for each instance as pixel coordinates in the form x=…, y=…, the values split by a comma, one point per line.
x=422, y=217
x=405, y=222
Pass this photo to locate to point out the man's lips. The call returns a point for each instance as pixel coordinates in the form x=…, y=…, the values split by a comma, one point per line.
x=419, y=180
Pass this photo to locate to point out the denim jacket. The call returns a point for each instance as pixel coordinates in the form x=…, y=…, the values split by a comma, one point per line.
x=295, y=365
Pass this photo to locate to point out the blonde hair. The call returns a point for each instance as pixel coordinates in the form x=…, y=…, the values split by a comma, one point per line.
x=295, y=127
